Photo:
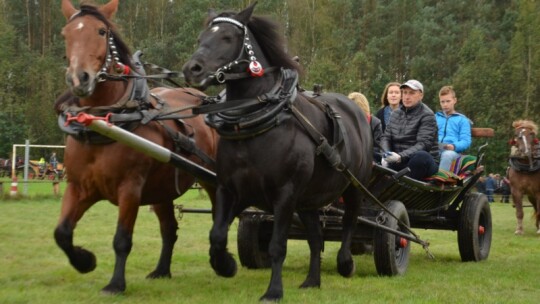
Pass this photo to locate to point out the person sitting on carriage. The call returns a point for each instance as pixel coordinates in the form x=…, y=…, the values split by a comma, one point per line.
x=376, y=126
x=454, y=128
x=410, y=138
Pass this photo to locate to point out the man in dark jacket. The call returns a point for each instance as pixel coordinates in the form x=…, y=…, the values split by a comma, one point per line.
x=410, y=138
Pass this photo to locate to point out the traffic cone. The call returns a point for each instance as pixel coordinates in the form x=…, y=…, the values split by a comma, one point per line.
x=13, y=191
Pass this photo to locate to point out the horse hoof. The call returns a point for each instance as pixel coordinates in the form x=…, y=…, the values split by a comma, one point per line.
x=83, y=260
x=224, y=265
x=518, y=232
x=271, y=297
x=112, y=290
x=538, y=231
x=345, y=266
x=311, y=283
x=158, y=275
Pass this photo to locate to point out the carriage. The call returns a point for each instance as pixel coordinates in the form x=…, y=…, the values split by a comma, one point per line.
x=263, y=111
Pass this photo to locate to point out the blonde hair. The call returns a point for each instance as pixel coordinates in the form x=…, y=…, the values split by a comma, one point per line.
x=384, y=96
x=447, y=90
x=361, y=101
x=526, y=124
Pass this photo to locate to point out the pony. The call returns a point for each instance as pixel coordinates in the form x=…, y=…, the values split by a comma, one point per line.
x=280, y=149
x=102, y=79
x=524, y=171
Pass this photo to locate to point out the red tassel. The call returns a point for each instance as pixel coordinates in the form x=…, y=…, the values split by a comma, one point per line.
x=512, y=142
x=122, y=69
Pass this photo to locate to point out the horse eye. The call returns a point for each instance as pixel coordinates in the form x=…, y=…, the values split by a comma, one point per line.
x=102, y=31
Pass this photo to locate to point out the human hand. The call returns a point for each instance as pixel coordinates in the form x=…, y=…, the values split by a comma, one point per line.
x=449, y=147
x=392, y=157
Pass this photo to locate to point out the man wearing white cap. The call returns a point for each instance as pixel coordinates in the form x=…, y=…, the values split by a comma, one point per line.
x=410, y=138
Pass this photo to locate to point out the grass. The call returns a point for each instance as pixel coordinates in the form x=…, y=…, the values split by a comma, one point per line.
x=34, y=270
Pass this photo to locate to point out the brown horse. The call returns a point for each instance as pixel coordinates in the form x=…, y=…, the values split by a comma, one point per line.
x=524, y=171
x=101, y=77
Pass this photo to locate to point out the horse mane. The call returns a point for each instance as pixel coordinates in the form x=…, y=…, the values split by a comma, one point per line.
x=272, y=42
x=124, y=53
x=525, y=124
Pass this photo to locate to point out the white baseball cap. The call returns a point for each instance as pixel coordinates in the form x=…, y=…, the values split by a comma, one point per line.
x=413, y=84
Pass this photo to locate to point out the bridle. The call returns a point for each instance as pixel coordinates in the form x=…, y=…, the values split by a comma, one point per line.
x=255, y=69
x=112, y=59
x=527, y=151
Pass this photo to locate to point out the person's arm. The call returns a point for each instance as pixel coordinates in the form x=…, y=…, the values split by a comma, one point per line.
x=464, y=136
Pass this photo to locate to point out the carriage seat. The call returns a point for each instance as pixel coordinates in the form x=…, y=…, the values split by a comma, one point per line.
x=463, y=166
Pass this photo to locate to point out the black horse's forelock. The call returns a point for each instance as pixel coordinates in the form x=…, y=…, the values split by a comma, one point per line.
x=268, y=36
x=124, y=53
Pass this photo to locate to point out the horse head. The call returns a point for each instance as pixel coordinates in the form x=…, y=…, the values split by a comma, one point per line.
x=524, y=143
x=237, y=46
x=93, y=48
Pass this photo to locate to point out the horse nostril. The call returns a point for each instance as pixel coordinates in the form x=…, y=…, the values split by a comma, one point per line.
x=84, y=77
x=195, y=68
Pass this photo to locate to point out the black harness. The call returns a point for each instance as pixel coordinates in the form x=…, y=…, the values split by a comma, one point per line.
x=244, y=118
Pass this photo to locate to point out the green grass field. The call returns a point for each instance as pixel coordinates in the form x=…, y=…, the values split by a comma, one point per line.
x=34, y=270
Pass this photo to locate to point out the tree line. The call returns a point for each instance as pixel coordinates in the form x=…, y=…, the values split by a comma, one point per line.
x=489, y=50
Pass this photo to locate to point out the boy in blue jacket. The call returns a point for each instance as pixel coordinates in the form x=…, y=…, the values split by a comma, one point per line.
x=454, y=128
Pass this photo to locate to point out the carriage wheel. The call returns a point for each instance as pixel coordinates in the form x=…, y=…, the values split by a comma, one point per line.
x=253, y=240
x=391, y=252
x=474, y=228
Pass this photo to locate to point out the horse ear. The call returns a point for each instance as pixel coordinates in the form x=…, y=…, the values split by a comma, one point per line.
x=212, y=14
x=68, y=9
x=244, y=15
x=108, y=10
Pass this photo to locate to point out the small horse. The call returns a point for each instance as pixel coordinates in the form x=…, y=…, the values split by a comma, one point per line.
x=279, y=149
x=524, y=171
x=99, y=64
x=6, y=166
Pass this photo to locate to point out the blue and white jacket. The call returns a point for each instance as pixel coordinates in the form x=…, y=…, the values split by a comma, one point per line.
x=454, y=129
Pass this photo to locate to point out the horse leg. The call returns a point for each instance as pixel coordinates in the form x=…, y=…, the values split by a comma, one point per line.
x=277, y=250
x=535, y=202
x=220, y=259
x=73, y=208
x=518, y=203
x=168, y=227
x=128, y=209
x=310, y=219
x=345, y=262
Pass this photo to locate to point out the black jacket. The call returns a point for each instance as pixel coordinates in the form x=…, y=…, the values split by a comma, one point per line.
x=380, y=116
x=376, y=130
x=411, y=130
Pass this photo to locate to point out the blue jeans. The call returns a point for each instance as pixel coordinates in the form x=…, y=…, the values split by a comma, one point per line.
x=489, y=194
x=421, y=164
x=447, y=156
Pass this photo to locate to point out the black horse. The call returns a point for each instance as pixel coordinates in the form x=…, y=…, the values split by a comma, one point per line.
x=280, y=150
